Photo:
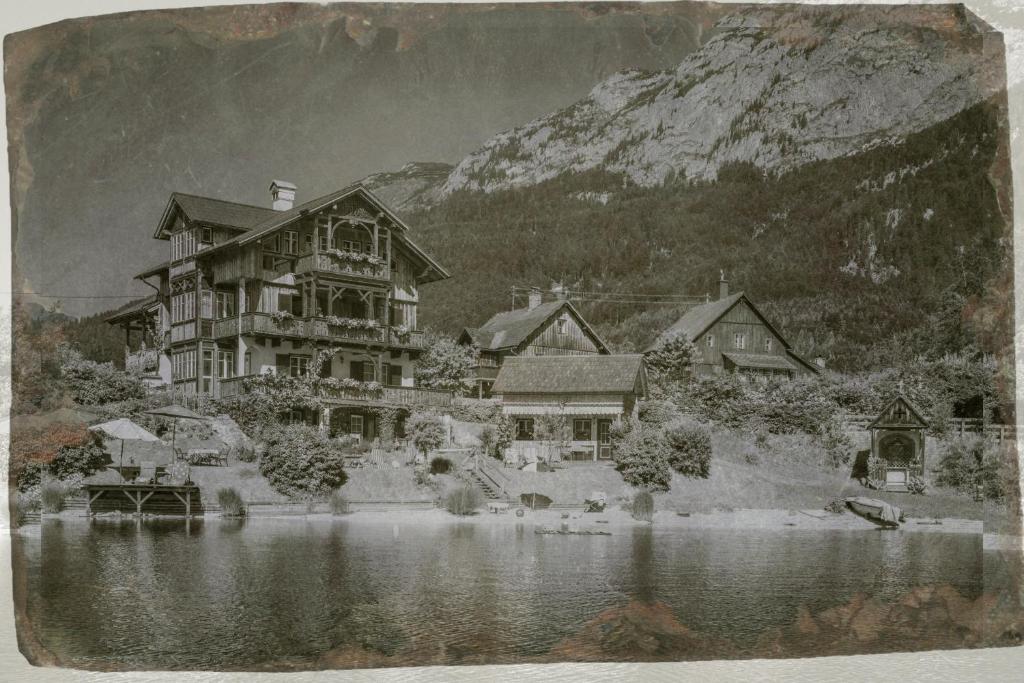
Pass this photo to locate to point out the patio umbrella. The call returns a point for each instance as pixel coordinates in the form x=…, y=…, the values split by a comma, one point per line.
x=124, y=429
x=175, y=412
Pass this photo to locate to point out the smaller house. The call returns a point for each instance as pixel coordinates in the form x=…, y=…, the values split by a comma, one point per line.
x=589, y=392
x=897, y=442
x=541, y=329
x=732, y=335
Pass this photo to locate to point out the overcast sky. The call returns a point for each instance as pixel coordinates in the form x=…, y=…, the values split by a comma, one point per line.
x=107, y=116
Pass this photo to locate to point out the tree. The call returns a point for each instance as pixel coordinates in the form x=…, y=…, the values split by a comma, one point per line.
x=426, y=431
x=671, y=360
x=505, y=434
x=445, y=364
x=639, y=453
x=92, y=383
x=689, y=450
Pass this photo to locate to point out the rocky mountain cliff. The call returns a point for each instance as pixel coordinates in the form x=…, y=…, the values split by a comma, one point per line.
x=778, y=87
x=413, y=187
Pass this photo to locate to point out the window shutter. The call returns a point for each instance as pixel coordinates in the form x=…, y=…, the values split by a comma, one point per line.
x=281, y=361
x=386, y=373
x=357, y=370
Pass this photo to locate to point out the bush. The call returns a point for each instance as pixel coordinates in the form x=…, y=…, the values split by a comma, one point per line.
x=643, y=506
x=689, y=450
x=338, y=504
x=464, y=500
x=656, y=413
x=51, y=496
x=916, y=486
x=230, y=502
x=488, y=440
x=300, y=461
x=90, y=382
x=81, y=461
x=960, y=465
x=440, y=466
x=31, y=475
x=640, y=457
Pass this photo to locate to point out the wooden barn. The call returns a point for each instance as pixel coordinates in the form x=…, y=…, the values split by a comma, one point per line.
x=732, y=335
x=553, y=328
x=589, y=392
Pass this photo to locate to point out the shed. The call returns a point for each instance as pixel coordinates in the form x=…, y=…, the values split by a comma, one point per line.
x=897, y=442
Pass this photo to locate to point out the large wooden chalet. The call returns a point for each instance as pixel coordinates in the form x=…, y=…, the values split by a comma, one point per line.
x=249, y=290
x=732, y=335
x=553, y=328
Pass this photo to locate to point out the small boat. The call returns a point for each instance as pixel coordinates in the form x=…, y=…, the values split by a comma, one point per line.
x=878, y=511
x=578, y=532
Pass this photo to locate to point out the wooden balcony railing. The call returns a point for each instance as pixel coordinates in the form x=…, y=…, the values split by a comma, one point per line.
x=260, y=323
x=177, y=269
x=316, y=328
x=329, y=263
x=401, y=396
x=322, y=328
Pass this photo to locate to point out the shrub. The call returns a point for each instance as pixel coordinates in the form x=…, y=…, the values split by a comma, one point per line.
x=299, y=460
x=230, y=502
x=916, y=486
x=504, y=435
x=463, y=500
x=78, y=460
x=643, y=506
x=440, y=466
x=90, y=382
x=51, y=496
x=445, y=364
x=421, y=475
x=657, y=413
x=670, y=361
x=31, y=475
x=960, y=466
x=640, y=457
x=426, y=431
x=689, y=450
x=338, y=504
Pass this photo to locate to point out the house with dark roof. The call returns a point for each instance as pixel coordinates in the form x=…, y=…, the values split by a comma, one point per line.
x=588, y=393
x=250, y=290
x=553, y=328
x=732, y=335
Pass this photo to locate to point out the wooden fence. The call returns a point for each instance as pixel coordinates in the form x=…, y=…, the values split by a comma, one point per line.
x=957, y=426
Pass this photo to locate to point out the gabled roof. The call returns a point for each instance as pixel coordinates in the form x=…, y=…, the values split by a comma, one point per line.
x=214, y=212
x=593, y=374
x=131, y=309
x=509, y=329
x=278, y=219
x=913, y=409
x=698, y=319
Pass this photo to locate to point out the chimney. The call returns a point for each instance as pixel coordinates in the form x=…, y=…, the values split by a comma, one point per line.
x=723, y=286
x=535, y=298
x=283, y=194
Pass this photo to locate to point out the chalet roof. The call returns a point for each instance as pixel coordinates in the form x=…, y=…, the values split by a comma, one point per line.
x=697, y=320
x=131, y=309
x=593, y=374
x=277, y=219
x=221, y=212
x=509, y=329
x=760, y=361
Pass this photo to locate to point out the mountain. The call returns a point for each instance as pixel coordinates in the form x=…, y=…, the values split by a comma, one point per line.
x=775, y=86
x=414, y=187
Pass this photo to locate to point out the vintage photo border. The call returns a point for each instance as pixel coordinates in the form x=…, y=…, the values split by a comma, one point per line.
x=994, y=664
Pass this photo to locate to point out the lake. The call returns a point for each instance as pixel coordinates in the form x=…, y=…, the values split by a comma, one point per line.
x=302, y=593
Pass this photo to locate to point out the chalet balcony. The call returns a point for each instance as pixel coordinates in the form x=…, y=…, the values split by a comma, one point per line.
x=325, y=328
x=319, y=328
x=260, y=323
x=396, y=396
x=336, y=264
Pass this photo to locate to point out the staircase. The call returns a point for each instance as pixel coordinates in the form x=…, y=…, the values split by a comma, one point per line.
x=483, y=484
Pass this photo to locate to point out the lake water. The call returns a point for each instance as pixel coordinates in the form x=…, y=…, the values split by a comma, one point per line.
x=272, y=593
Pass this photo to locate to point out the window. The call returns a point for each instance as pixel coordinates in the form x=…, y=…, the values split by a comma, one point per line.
x=768, y=344
x=225, y=304
x=183, y=307
x=307, y=241
x=207, y=304
x=709, y=341
x=324, y=242
x=183, y=364
x=272, y=243
x=247, y=361
x=291, y=242
x=524, y=429
x=346, y=245
x=298, y=366
x=206, y=235
x=227, y=364
x=207, y=371
x=581, y=430
x=561, y=325
x=739, y=340
x=392, y=375
x=368, y=247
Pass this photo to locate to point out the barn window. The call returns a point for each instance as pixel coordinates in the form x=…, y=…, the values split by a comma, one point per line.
x=206, y=235
x=739, y=340
x=561, y=325
x=709, y=341
x=291, y=242
x=768, y=344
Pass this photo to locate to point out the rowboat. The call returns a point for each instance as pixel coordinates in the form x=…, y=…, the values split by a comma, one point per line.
x=878, y=511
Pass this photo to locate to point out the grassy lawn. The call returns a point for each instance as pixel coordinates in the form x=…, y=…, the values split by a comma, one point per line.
x=390, y=485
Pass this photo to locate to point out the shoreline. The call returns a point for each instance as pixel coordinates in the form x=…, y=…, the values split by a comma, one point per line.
x=741, y=519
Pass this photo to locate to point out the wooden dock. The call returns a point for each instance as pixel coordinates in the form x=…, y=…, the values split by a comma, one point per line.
x=162, y=498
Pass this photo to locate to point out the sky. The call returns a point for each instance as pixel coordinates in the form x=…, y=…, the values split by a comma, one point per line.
x=107, y=116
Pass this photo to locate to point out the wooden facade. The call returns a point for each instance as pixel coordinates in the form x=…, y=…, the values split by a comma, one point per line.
x=250, y=291
x=555, y=328
x=898, y=444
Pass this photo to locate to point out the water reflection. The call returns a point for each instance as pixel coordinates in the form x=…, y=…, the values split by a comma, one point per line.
x=285, y=593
